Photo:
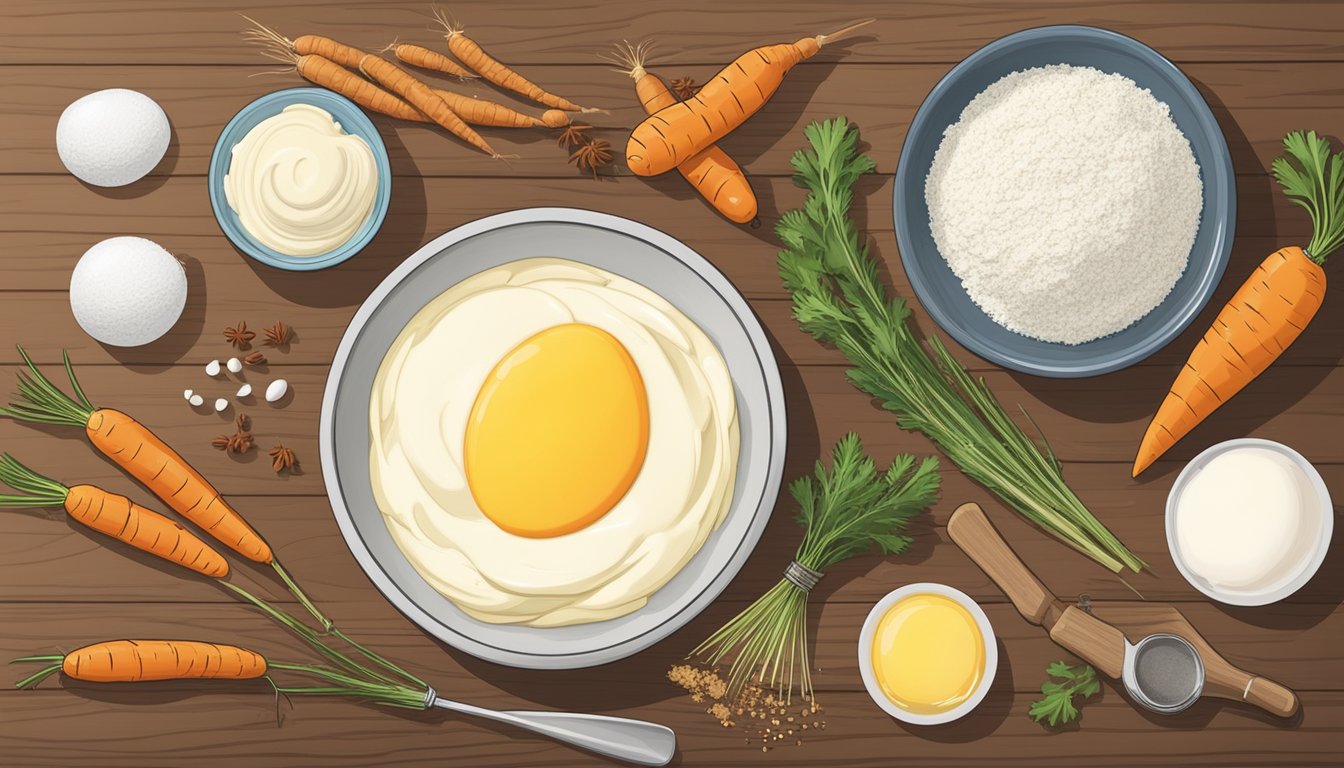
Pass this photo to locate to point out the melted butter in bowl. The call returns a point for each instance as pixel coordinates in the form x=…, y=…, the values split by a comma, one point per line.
x=927, y=654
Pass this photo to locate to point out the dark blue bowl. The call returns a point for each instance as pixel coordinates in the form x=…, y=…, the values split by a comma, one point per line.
x=352, y=121
x=940, y=290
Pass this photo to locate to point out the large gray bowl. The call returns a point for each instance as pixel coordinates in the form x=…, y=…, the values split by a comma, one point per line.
x=940, y=290
x=617, y=245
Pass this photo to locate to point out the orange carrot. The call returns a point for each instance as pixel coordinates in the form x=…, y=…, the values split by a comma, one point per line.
x=332, y=76
x=423, y=98
x=675, y=133
x=715, y=175
x=133, y=661
x=419, y=56
x=1270, y=310
x=113, y=515
x=142, y=455
x=470, y=53
x=484, y=112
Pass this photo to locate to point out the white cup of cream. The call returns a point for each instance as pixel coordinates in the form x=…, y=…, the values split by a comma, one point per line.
x=1249, y=521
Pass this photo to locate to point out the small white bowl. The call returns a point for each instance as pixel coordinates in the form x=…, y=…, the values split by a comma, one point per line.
x=866, y=653
x=1289, y=583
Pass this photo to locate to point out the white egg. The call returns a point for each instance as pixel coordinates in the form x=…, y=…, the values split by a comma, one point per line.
x=127, y=291
x=197, y=401
x=235, y=365
x=245, y=390
x=212, y=368
x=220, y=405
x=111, y=138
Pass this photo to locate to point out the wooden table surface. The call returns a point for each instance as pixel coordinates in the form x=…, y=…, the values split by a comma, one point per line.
x=1264, y=68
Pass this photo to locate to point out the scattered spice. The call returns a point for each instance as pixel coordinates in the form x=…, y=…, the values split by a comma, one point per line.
x=754, y=709
x=239, y=336
x=684, y=87
x=277, y=335
x=221, y=442
x=240, y=441
x=592, y=155
x=255, y=359
x=282, y=458
x=573, y=136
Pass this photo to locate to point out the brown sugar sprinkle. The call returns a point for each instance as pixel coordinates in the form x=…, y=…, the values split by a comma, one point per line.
x=759, y=712
x=239, y=336
x=277, y=335
x=256, y=358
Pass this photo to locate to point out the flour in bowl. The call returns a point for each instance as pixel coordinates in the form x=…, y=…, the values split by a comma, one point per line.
x=1066, y=200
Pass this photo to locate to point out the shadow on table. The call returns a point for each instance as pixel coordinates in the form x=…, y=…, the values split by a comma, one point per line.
x=349, y=283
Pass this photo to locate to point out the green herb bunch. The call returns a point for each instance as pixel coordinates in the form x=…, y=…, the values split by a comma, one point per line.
x=847, y=511
x=839, y=299
x=1057, y=705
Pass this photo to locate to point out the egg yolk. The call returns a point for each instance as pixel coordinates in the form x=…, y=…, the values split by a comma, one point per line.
x=928, y=654
x=558, y=432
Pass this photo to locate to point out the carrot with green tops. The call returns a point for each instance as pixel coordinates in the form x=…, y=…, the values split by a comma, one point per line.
x=470, y=53
x=1270, y=310
x=680, y=131
x=715, y=175
x=143, y=456
x=139, y=661
x=114, y=515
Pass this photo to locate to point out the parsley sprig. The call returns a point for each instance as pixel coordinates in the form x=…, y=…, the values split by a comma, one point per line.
x=839, y=299
x=1057, y=706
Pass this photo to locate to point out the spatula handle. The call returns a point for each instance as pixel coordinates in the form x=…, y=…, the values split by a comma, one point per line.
x=1271, y=697
x=1092, y=639
x=978, y=538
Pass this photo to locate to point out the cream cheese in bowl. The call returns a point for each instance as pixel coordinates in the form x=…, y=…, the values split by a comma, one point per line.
x=300, y=184
x=1248, y=521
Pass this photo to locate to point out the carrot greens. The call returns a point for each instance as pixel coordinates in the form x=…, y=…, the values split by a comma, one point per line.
x=839, y=299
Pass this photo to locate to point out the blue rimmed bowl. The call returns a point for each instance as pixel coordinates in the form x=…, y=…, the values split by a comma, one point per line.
x=941, y=291
x=352, y=121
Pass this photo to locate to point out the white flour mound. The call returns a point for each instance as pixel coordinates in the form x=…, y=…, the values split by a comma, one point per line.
x=1066, y=200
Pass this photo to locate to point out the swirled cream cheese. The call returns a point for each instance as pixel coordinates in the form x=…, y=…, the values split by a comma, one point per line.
x=551, y=443
x=300, y=184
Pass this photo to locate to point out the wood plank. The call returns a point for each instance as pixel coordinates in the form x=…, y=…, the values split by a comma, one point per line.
x=1101, y=423
x=535, y=33
x=1297, y=653
x=45, y=557
x=200, y=100
x=151, y=728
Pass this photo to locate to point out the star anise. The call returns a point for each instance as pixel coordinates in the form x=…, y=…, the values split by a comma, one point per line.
x=591, y=156
x=222, y=442
x=282, y=458
x=277, y=335
x=241, y=443
x=244, y=422
x=239, y=336
x=684, y=87
x=573, y=135
x=256, y=358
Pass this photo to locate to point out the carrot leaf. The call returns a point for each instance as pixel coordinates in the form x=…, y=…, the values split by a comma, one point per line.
x=1316, y=183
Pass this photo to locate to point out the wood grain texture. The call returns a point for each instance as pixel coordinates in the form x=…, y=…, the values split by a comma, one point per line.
x=537, y=33
x=1264, y=68
x=37, y=94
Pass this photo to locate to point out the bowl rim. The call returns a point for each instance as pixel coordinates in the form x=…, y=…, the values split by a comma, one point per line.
x=1310, y=565
x=866, y=658
x=758, y=510
x=1221, y=247
x=221, y=156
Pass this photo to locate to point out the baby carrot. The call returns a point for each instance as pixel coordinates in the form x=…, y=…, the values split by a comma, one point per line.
x=423, y=98
x=419, y=56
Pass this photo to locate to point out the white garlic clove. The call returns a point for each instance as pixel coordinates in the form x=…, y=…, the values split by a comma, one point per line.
x=212, y=368
x=245, y=390
x=186, y=394
x=235, y=365
x=276, y=390
x=197, y=401
x=221, y=404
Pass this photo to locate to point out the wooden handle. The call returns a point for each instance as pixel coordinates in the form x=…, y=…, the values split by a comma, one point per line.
x=977, y=537
x=1272, y=697
x=1092, y=639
